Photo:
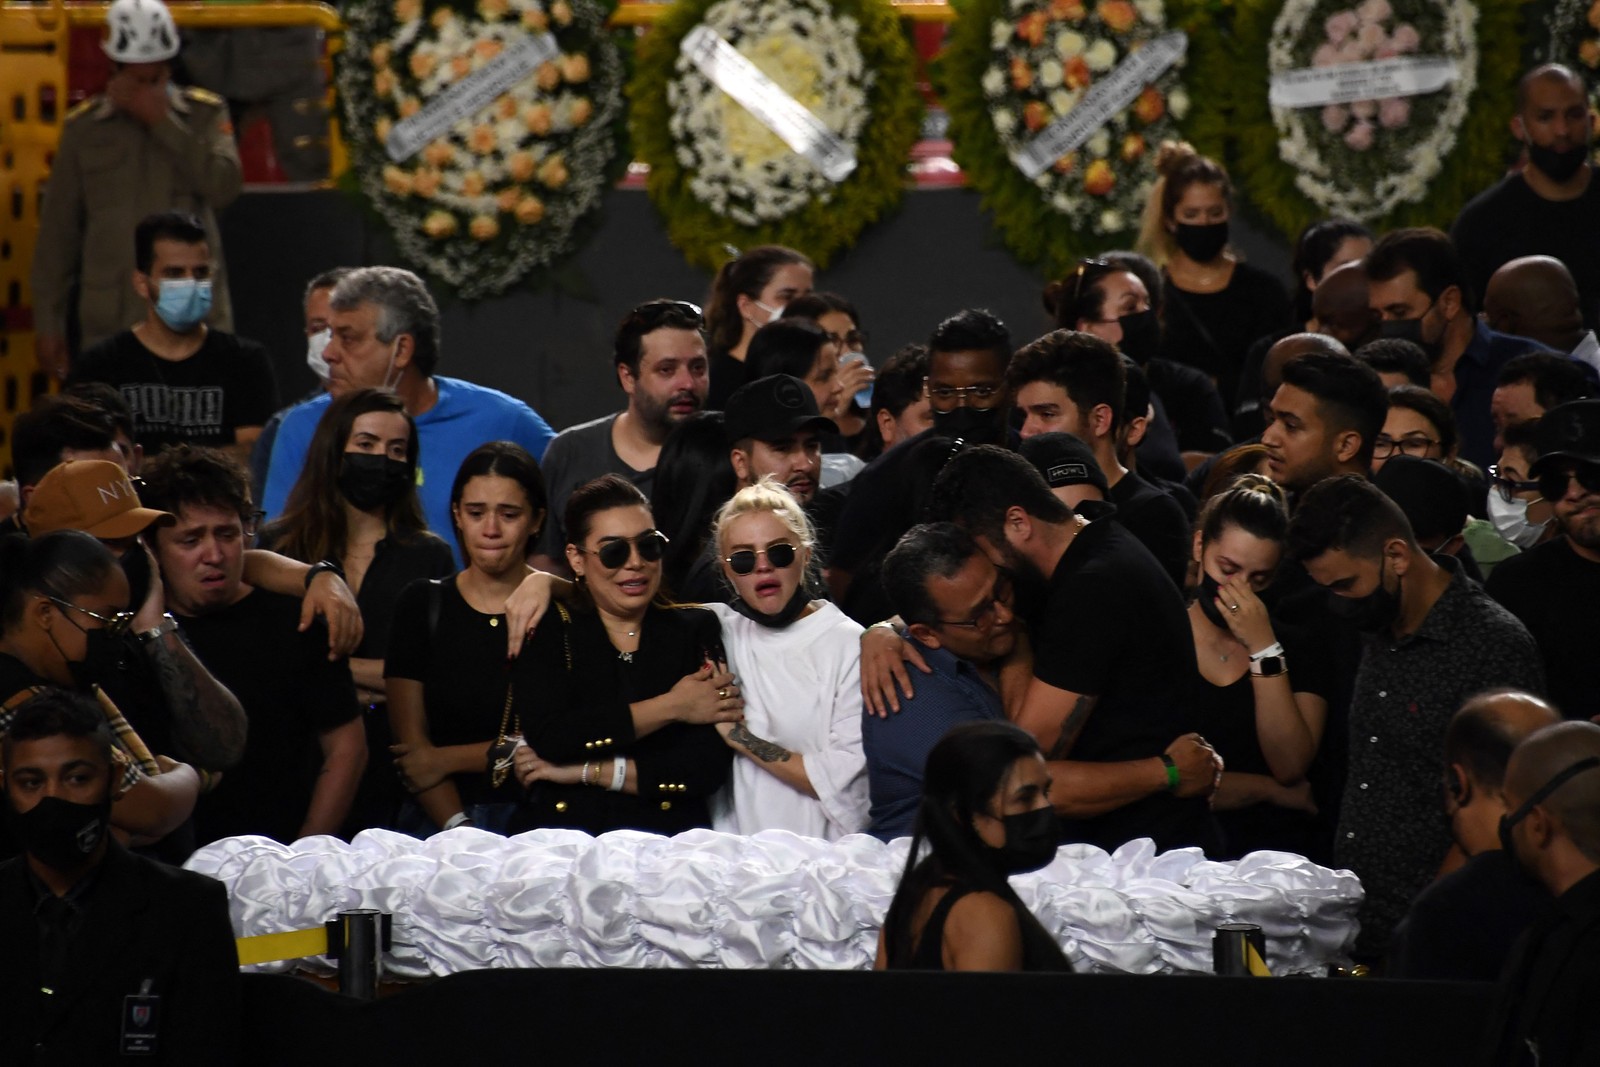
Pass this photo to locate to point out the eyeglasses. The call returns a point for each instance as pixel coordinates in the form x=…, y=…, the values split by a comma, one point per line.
x=851, y=342
x=115, y=626
x=251, y=521
x=1414, y=444
x=975, y=396
x=1554, y=484
x=1000, y=595
x=779, y=555
x=653, y=314
x=615, y=553
x=1508, y=488
x=1084, y=267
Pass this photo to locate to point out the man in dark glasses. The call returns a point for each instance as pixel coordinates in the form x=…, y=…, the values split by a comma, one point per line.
x=659, y=358
x=1554, y=587
x=1547, y=993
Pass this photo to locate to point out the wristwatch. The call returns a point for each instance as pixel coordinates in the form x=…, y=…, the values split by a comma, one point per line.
x=319, y=567
x=166, y=626
x=1269, y=666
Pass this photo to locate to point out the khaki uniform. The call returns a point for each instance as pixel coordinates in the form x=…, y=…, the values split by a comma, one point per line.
x=110, y=171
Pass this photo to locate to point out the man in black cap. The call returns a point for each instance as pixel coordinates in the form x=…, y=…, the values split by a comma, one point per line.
x=1554, y=587
x=1068, y=467
x=773, y=425
x=1435, y=503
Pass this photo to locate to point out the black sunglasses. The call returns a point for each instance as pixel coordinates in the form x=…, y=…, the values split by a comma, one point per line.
x=1553, y=484
x=654, y=314
x=1085, y=267
x=615, y=553
x=779, y=555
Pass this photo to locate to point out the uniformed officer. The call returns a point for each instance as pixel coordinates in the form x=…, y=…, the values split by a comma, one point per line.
x=141, y=147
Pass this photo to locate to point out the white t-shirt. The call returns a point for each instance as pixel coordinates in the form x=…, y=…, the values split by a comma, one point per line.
x=802, y=689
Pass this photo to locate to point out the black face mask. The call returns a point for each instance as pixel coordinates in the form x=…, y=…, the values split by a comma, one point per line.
x=102, y=657
x=976, y=426
x=1141, y=336
x=1411, y=330
x=1540, y=795
x=1210, y=589
x=1202, y=243
x=1031, y=839
x=61, y=834
x=1558, y=166
x=1372, y=613
x=371, y=481
x=779, y=619
x=135, y=563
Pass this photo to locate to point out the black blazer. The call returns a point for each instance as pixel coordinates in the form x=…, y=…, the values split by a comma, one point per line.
x=145, y=921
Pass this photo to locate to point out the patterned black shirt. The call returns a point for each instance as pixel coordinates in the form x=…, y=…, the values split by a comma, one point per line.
x=1393, y=832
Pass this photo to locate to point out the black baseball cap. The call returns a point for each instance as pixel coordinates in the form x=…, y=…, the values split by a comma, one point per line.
x=772, y=408
x=1431, y=495
x=1063, y=460
x=1568, y=431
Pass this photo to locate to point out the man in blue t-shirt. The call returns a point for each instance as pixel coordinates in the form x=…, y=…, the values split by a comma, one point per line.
x=385, y=335
x=957, y=610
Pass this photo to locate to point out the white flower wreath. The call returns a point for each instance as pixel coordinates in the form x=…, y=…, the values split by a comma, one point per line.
x=498, y=195
x=741, y=169
x=1366, y=159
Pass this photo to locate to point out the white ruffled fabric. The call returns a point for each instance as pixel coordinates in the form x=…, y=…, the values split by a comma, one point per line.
x=467, y=899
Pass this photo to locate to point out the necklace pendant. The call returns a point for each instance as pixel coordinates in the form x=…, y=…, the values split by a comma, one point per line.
x=626, y=657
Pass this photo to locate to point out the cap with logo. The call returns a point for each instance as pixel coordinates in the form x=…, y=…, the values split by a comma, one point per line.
x=1063, y=460
x=92, y=495
x=1568, y=431
x=1432, y=496
x=772, y=408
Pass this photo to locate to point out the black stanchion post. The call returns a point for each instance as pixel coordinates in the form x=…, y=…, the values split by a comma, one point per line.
x=361, y=944
x=1235, y=947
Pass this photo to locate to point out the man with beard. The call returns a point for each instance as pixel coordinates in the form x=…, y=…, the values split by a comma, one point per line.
x=1553, y=587
x=661, y=365
x=1434, y=638
x=774, y=430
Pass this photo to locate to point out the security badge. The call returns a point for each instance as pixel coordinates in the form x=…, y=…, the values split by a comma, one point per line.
x=141, y=1020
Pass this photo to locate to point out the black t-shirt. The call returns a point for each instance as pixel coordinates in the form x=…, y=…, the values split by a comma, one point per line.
x=1509, y=220
x=291, y=694
x=1462, y=927
x=1192, y=405
x=1213, y=331
x=1113, y=625
x=202, y=400
x=727, y=374
x=1157, y=520
x=1555, y=593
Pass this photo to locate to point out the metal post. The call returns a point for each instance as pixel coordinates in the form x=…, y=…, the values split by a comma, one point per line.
x=360, y=952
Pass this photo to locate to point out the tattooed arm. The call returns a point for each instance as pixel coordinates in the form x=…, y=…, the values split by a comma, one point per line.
x=208, y=724
x=786, y=766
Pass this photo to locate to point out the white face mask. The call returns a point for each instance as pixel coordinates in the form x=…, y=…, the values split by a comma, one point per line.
x=316, y=344
x=773, y=314
x=1510, y=520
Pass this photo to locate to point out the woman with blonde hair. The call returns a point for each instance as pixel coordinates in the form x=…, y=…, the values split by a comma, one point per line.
x=800, y=765
x=1215, y=305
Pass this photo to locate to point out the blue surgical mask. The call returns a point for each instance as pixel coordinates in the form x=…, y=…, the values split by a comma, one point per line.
x=183, y=303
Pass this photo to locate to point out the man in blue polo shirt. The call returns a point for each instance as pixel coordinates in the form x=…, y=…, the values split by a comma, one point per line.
x=957, y=609
x=385, y=328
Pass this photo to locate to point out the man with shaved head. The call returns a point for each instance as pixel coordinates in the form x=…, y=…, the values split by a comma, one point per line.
x=1535, y=296
x=1549, y=989
x=1462, y=927
x=1339, y=306
x=1551, y=207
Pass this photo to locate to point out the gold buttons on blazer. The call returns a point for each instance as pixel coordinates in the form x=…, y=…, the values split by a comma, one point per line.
x=561, y=805
x=666, y=805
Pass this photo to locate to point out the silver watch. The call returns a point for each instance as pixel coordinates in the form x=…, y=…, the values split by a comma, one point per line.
x=166, y=626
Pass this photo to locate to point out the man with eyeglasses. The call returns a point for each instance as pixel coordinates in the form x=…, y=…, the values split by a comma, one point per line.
x=1548, y=990
x=307, y=747
x=1554, y=587
x=660, y=362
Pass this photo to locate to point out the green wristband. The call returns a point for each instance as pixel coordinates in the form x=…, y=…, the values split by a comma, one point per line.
x=1172, y=773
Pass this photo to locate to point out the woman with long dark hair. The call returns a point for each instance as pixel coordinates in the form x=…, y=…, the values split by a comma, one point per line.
x=985, y=815
x=693, y=478
x=749, y=291
x=356, y=505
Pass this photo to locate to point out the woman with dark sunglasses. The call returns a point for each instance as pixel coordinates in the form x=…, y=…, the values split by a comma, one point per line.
x=802, y=765
x=616, y=695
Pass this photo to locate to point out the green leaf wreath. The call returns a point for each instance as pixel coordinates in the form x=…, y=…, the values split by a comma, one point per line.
x=1420, y=160
x=716, y=177
x=505, y=193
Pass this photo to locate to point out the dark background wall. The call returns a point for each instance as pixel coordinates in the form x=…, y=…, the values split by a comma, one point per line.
x=552, y=349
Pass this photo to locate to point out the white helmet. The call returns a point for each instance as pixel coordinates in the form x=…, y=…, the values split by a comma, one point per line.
x=140, y=31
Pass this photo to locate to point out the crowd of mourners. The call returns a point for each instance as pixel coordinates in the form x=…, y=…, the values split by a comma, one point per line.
x=1222, y=560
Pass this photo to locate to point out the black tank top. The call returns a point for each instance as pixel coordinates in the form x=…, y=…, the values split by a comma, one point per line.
x=1039, y=952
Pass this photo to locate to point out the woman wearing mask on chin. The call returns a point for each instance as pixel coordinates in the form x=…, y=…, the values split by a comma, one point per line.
x=616, y=697
x=1216, y=306
x=63, y=604
x=749, y=291
x=985, y=815
x=802, y=767
x=356, y=506
x=1267, y=721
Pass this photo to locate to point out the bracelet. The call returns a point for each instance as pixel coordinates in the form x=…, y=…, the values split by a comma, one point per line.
x=166, y=626
x=619, y=774
x=320, y=566
x=886, y=625
x=1274, y=649
x=583, y=774
x=1172, y=772
x=460, y=818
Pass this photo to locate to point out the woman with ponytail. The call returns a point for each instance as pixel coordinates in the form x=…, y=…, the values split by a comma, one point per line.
x=985, y=815
x=1266, y=721
x=749, y=291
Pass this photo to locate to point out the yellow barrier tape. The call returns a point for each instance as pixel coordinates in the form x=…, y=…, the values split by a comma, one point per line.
x=1253, y=960
x=270, y=948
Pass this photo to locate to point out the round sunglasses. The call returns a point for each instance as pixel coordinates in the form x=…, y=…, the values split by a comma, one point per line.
x=779, y=555
x=615, y=553
x=1553, y=484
